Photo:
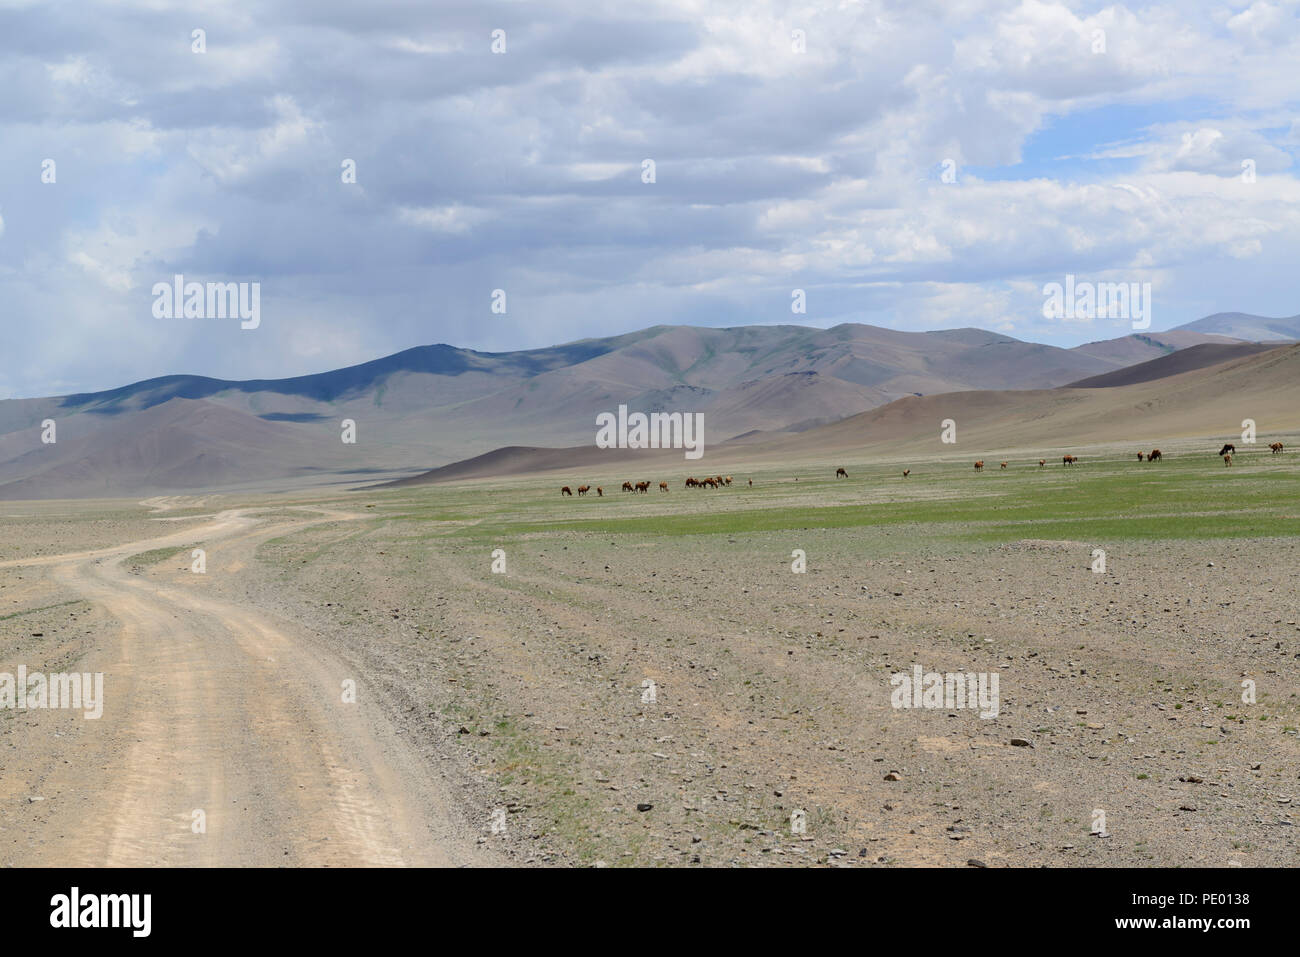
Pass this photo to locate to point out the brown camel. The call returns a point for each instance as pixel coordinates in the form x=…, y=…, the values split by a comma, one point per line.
x=979, y=466
x=1141, y=456
x=840, y=473
x=565, y=491
x=663, y=486
x=1227, y=447
x=1155, y=456
x=584, y=489
x=1004, y=465
x=906, y=472
x=1227, y=459
x=1042, y=462
x=600, y=492
x=627, y=486
x=1276, y=447
x=643, y=487
x=1069, y=460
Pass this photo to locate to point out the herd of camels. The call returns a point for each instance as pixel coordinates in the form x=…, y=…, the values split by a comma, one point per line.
x=718, y=481
x=711, y=481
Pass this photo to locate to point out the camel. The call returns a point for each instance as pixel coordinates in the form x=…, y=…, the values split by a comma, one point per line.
x=1155, y=456
x=600, y=492
x=1276, y=447
x=1140, y=456
x=1227, y=447
x=627, y=486
x=979, y=466
x=1069, y=460
x=751, y=483
x=710, y=482
x=1042, y=462
x=1004, y=465
x=906, y=472
x=692, y=482
x=584, y=489
x=728, y=480
x=643, y=487
x=1227, y=459
x=663, y=486
x=840, y=473
x=565, y=491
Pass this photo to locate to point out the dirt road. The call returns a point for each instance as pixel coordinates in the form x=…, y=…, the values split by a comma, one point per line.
x=225, y=737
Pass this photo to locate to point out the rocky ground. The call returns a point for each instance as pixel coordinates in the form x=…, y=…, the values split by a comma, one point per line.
x=1122, y=690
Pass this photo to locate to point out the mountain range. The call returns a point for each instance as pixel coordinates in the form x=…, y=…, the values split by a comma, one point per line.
x=434, y=405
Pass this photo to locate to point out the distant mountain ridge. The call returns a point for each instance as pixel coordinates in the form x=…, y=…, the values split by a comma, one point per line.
x=1241, y=325
x=440, y=404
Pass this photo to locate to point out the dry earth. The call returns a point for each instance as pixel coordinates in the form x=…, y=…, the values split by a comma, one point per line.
x=525, y=691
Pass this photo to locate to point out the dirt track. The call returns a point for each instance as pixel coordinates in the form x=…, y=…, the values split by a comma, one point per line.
x=212, y=706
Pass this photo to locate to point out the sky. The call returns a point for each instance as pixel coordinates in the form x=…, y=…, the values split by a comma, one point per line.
x=917, y=165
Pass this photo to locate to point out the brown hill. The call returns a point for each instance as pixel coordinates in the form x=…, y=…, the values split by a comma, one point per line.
x=1144, y=346
x=1207, y=401
x=1185, y=360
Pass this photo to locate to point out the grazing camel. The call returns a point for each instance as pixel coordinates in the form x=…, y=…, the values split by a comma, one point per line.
x=1227, y=447
x=1155, y=456
x=663, y=486
x=692, y=482
x=728, y=479
x=1042, y=462
x=1004, y=465
x=1141, y=456
x=840, y=473
x=979, y=466
x=1069, y=460
x=906, y=472
x=1276, y=447
x=751, y=483
x=565, y=491
x=1227, y=459
x=710, y=482
x=600, y=492
x=584, y=489
x=643, y=487
x=627, y=486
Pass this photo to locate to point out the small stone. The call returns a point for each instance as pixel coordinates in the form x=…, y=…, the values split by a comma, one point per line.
x=1020, y=743
x=644, y=807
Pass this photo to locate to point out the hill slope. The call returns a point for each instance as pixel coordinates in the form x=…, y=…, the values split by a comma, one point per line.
x=1185, y=360
x=1240, y=325
x=1208, y=401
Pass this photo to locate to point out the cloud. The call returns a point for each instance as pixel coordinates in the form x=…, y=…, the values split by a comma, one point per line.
x=1103, y=142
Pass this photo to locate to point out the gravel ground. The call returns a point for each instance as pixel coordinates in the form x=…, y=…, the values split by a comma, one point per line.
x=772, y=692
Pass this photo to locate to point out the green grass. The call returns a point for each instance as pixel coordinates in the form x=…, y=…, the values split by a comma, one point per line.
x=32, y=611
x=157, y=555
x=1188, y=499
